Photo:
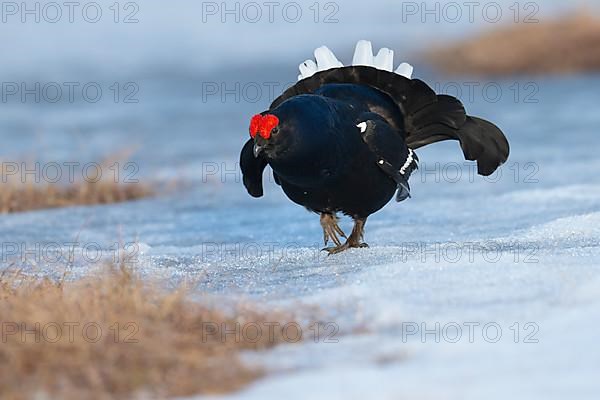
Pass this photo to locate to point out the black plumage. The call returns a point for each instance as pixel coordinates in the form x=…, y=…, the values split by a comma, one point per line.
x=343, y=140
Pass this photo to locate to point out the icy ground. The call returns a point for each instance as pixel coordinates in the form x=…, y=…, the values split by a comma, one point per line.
x=473, y=288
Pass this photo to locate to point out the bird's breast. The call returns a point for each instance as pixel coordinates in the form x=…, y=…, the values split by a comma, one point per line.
x=359, y=189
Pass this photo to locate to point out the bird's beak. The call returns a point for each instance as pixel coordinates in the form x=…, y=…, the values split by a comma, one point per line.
x=259, y=146
x=257, y=149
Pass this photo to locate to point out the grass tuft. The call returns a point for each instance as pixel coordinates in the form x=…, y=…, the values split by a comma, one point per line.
x=27, y=197
x=21, y=192
x=116, y=336
x=567, y=45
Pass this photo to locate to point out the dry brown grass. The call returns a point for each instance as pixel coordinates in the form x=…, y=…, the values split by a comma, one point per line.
x=27, y=197
x=159, y=349
x=20, y=193
x=567, y=45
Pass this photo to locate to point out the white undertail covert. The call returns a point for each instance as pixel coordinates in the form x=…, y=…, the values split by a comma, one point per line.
x=363, y=56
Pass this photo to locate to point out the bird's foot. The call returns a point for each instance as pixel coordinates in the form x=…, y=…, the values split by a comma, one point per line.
x=331, y=229
x=345, y=246
x=353, y=242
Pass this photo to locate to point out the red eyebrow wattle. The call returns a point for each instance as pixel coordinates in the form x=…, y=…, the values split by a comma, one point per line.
x=255, y=123
x=268, y=122
x=263, y=125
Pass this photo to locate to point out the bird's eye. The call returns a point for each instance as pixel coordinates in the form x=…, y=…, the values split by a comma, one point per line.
x=275, y=131
x=362, y=126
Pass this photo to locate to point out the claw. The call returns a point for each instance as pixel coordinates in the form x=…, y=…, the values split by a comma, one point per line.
x=334, y=237
x=340, y=231
x=337, y=249
x=344, y=247
x=331, y=230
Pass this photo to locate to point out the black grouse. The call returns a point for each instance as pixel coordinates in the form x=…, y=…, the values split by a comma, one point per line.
x=343, y=138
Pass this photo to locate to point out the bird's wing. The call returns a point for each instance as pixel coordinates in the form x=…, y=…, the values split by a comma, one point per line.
x=252, y=169
x=392, y=155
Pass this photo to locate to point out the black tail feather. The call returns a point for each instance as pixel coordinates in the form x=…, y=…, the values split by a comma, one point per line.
x=480, y=141
x=484, y=142
x=446, y=111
